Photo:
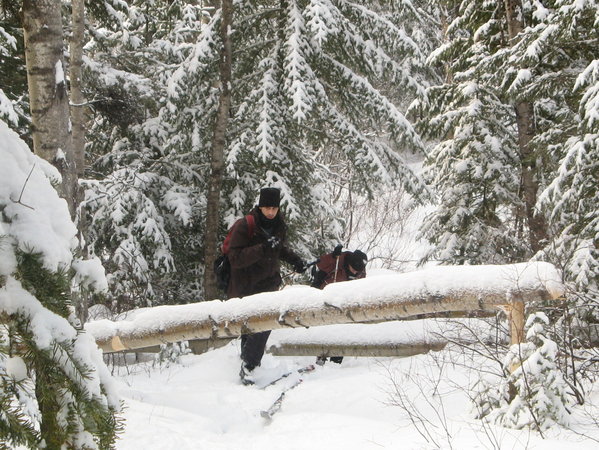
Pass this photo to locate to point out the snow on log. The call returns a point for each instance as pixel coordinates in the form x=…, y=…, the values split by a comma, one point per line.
x=372, y=299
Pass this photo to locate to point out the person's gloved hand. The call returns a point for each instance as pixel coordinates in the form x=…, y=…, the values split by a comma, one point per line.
x=337, y=251
x=300, y=266
x=272, y=243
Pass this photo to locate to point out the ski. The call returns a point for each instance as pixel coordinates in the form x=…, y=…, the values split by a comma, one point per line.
x=308, y=368
x=276, y=405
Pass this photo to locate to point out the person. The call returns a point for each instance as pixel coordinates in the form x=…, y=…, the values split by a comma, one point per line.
x=334, y=267
x=338, y=266
x=255, y=266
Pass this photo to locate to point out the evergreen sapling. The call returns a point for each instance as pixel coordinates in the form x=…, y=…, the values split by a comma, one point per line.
x=534, y=395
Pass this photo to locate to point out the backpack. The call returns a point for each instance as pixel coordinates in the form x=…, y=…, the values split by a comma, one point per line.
x=222, y=265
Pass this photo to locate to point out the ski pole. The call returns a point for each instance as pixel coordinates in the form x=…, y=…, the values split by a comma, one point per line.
x=336, y=253
x=316, y=261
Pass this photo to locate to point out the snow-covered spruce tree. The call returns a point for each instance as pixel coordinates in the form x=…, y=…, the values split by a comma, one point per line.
x=572, y=196
x=529, y=61
x=8, y=43
x=14, y=97
x=535, y=394
x=306, y=99
x=143, y=204
x=420, y=23
x=56, y=390
x=562, y=50
x=540, y=68
x=474, y=166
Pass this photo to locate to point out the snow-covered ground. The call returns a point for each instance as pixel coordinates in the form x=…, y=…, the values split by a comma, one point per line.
x=419, y=402
x=199, y=403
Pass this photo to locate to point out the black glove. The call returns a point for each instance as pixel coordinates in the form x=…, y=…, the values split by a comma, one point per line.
x=272, y=243
x=337, y=251
x=300, y=266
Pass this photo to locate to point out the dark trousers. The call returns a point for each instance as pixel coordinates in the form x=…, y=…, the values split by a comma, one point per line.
x=252, y=348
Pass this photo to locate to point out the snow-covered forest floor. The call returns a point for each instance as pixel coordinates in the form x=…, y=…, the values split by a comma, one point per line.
x=199, y=403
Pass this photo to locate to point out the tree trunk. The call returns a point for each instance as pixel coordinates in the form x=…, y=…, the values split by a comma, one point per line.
x=403, y=296
x=517, y=321
x=49, y=100
x=49, y=103
x=48, y=407
x=81, y=297
x=525, y=122
x=217, y=157
x=77, y=100
x=368, y=350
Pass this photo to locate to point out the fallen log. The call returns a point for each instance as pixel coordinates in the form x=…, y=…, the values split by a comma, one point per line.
x=397, y=339
x=197, y=346
x=415, y=335
x=372, y=299
x=369, y=350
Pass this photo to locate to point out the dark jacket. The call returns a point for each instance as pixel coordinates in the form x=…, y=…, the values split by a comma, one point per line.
x=329, y=270
x=255, y=268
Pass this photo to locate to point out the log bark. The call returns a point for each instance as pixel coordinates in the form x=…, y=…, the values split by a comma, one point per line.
x=197, y=346
x=366, y=350
x=356, y=301
x=323, y=314
x=517, y=321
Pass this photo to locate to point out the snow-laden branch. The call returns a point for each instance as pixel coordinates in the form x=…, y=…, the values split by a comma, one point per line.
x=373, y=299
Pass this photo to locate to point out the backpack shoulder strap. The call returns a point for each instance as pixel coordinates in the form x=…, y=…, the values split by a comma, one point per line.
x=251, y=224
x=251, y=230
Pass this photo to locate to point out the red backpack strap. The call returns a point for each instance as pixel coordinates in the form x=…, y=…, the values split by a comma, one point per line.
x=251, y=224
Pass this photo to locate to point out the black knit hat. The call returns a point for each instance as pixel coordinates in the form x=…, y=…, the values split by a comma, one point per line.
x=357, y=260
x=270, y=197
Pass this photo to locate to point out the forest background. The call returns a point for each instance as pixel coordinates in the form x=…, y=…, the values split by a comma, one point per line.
x=165, y=117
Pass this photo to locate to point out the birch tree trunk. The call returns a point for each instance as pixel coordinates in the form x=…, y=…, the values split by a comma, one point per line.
x=49, y=100
x=49, y=103
x=218, y=149
x=222, y=320
x=525, y=121
x=366, y=349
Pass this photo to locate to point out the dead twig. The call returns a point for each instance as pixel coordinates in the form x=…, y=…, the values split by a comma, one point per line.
x=23, y=190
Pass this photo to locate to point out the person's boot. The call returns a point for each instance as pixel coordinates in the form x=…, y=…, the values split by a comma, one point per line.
x=320, y=360
x=246, y=375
